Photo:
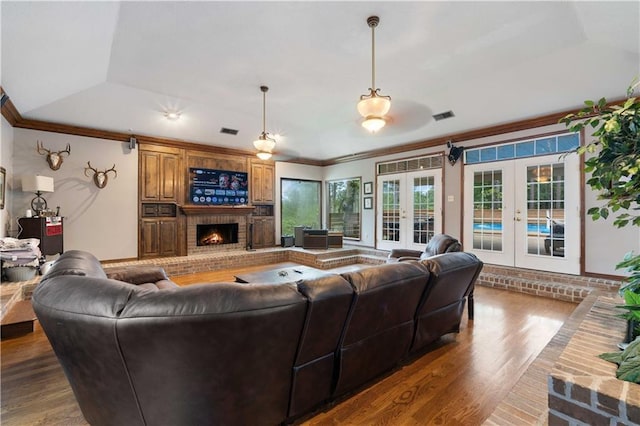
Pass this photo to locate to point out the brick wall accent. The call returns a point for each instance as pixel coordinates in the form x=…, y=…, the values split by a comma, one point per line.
x=570, y=288
x=583, y=388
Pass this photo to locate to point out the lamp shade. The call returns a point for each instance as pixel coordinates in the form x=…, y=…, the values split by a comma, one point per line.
x=37, y=183
x=264, y=143
x=376, y=106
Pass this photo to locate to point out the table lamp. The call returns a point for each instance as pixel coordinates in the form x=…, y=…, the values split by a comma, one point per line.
x=37, y=184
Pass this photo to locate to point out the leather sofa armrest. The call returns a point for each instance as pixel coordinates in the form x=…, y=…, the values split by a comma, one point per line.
x=137, y=274
x=399, y=253
x=406, y=258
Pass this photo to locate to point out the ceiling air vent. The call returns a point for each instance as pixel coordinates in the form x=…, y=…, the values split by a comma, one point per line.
x=228, y=131
x=443, y=115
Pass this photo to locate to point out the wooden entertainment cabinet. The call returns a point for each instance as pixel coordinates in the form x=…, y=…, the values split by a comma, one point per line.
x=162, y=195
x=160, y=231
x=262, y=197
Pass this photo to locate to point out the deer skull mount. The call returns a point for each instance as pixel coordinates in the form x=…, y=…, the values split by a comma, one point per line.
x=100, y=178
x=54, y=158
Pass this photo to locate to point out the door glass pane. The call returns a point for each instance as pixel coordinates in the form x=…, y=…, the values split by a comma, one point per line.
x=391, y=210
x=423, y=209
x=545, y=210
x=487, y=210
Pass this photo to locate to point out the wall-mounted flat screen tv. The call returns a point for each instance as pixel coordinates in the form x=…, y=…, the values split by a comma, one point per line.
x=218, y=187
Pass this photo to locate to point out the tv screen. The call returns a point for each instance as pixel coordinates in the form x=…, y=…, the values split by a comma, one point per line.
x=218, y=187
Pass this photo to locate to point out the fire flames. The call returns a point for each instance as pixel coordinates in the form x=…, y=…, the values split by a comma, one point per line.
x=213, y=238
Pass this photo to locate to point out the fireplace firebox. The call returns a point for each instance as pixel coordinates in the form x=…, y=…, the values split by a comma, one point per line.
x=218, y=233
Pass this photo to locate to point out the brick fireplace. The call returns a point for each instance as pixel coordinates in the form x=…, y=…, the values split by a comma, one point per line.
x=216, y=233
x=212, y=220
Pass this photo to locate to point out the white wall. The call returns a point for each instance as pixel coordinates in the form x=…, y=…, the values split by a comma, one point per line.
x=105, y=221
x=101, y=221
x=605, y=245
x=366, y=169
x=6, y=161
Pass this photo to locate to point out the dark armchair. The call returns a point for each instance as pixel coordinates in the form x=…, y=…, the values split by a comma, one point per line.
x=439, y=244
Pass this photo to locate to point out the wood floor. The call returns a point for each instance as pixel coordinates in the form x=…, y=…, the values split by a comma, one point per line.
x=460, y=381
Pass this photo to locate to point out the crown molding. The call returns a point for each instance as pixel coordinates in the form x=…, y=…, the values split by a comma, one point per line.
x=14, y=118
x=514, y=126
x=9, y=111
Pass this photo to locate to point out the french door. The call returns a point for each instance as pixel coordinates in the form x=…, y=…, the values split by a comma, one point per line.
x=524, y=212
x=409, y=210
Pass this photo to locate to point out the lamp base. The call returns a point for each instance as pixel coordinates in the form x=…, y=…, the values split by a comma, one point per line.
x=38, y=204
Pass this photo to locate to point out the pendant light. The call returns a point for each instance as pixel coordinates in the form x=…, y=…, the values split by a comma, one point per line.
x=373, y=106
x=264, y=144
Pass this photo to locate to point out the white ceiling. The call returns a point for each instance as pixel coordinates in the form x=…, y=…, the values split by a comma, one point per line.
x=119, y=65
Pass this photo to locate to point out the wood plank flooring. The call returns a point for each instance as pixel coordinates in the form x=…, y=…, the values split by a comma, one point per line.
x=459, y=381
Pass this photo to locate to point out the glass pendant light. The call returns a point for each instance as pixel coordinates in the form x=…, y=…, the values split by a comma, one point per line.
x=264, y=144
x=373, y=106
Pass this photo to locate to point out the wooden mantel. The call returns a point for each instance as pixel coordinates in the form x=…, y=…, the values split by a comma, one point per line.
x=191, y=210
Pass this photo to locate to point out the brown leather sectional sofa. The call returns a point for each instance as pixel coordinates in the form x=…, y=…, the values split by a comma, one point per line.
x=139, y=350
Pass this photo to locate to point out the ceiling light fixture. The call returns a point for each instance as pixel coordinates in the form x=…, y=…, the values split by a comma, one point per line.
x=172, y=115
x=264, y=144
x=373, y=106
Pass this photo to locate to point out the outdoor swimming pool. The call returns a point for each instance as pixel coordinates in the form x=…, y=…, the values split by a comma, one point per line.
x=497, y=226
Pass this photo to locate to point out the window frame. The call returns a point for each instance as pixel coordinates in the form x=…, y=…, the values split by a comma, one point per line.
x=356, y=203
x=282, y=198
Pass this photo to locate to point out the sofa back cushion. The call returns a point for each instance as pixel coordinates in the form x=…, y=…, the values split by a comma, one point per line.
x=439, y=244
x=225, y=350
x=379, y=328
x=79, y=314
x=452, y=277
x=329, y=299
x=205, y=354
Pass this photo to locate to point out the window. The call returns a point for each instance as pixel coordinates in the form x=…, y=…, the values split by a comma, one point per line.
x=300, y=204
x=529, y=148
x=343, y=210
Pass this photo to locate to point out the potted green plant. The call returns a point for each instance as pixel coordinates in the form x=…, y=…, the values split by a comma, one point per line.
x=631, y=294
x=614, y=165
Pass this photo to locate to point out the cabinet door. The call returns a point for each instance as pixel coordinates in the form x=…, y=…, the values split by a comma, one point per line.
x=169, y=177
x=256, y=183
x=258, y=233
x=264, y=232
x=168, y=237
x=149, y=176
x=269, y=230
x=150, y=238
x=159, y=238
x=262, y=183
x=267, y=184
x=160, y=177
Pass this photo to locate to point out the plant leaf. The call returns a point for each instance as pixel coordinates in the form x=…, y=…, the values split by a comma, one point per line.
x=628, y=362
